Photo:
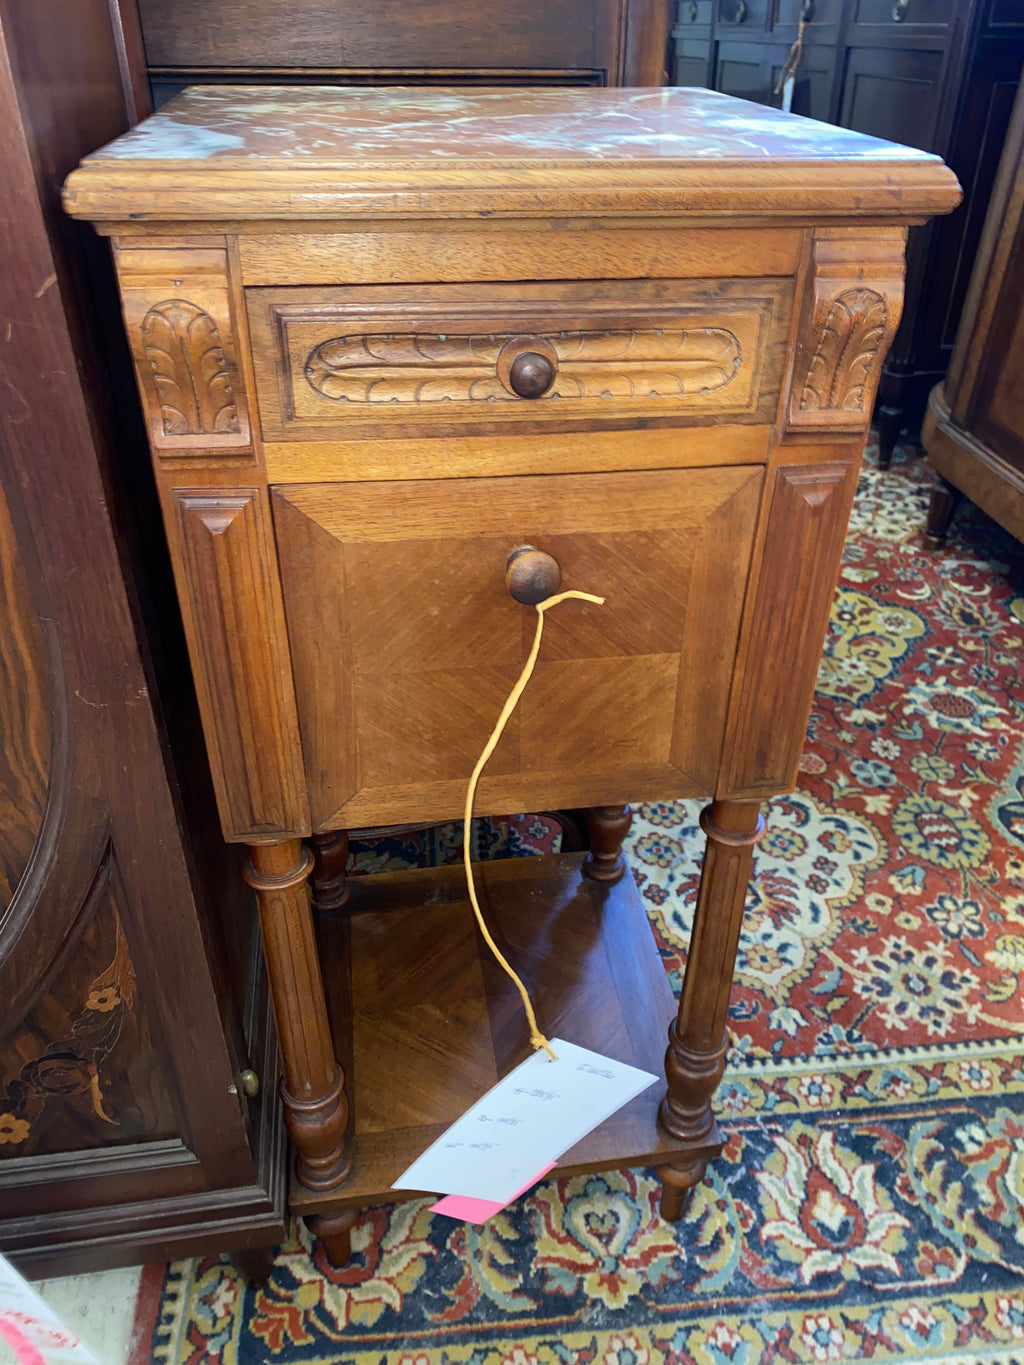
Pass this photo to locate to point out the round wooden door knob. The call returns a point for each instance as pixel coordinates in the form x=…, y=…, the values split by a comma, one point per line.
x=532, y=576
x=531, y=374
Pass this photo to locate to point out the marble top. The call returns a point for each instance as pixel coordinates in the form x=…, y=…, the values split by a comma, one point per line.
x=327, y=125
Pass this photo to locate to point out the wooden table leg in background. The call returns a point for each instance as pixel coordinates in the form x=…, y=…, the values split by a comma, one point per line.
x=334, y=1232
x=941, y=508
x=608, y=826
x=330, y=853
x=316, y=1112
x=698, y=1038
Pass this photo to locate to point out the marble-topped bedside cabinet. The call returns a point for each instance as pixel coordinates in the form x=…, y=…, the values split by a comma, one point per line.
x=384, y=338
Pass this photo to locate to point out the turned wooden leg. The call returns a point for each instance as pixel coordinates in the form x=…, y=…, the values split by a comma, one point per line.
x=697, y=1038
x=315, y=1110
x=330, y=858
x=889, y=418
x=944, y=501
x=608, y=826
x=254, y=1264
x=334, y=1233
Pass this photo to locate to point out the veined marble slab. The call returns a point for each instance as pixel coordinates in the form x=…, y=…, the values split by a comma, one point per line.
x=326, y=124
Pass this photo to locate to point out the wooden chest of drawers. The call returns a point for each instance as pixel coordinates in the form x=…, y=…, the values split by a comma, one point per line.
x=384, y=340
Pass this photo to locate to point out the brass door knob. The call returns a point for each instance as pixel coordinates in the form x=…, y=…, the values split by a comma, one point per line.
x=531, y=374
x=532, y=576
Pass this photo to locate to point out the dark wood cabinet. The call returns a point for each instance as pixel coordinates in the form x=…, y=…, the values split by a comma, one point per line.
x=935, y=74
x=974, y=430
x=128, y=1009
x=486, y=42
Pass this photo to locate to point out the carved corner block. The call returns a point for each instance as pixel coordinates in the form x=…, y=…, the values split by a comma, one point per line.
x=177, y=309
x=852, y=307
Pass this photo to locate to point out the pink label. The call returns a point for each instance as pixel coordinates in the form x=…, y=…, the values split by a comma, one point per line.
x=467, y=1210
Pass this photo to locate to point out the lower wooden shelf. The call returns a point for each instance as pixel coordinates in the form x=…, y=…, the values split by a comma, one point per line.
x=425, y=1021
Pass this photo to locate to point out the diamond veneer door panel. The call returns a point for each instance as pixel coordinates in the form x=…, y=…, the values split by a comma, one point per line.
x=410, y=643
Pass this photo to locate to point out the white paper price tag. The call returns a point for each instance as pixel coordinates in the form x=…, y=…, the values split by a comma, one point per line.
x=525, y=1122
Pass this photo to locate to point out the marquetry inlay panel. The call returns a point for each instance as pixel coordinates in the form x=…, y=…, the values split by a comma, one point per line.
x=393, y=718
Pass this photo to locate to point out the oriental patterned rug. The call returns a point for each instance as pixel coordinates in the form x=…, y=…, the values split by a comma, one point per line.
x=870, y=1202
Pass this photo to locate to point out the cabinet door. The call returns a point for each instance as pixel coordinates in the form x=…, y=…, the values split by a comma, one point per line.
x=404, y=655
x=893, y=93
x=751, y=71
x=998, y=418
x=692, y=61
x=691, y=37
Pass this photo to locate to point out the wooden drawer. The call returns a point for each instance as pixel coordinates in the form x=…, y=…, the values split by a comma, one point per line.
x=405, y=642
x=350, y=363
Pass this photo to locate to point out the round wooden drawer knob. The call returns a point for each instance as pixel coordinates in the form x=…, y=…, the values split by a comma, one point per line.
x=531, y=576
x=531, y=374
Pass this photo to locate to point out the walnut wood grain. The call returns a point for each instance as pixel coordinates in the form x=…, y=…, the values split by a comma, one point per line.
x=441, y=33
x=316, y=1111
x=974, y=428
x=241, y=667
x=341, y=362
x=24, y=722
x=128, y=838
x=786, y=617
x=393, y=721
x=330, y=855
x=182, y=339
x=698, y=1040
x=581, y=449
x=607, y=827
x=488, y=251
x=430, y=1021
x=852, y=310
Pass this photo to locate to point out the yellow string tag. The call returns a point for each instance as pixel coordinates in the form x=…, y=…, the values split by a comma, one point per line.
x=536, y=1037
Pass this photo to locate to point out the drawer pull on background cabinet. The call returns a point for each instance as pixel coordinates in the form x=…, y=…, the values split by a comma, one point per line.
x=531, y=575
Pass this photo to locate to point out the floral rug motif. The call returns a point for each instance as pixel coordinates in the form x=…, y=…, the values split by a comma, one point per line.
x=869, y=1204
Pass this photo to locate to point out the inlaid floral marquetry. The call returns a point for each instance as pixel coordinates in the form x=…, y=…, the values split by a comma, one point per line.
x=606, y=365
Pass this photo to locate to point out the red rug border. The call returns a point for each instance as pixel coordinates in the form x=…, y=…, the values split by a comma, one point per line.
x=147, y=1309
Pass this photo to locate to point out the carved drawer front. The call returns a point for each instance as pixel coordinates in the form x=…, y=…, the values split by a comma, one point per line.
x=405, y=641
x=336, y=363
